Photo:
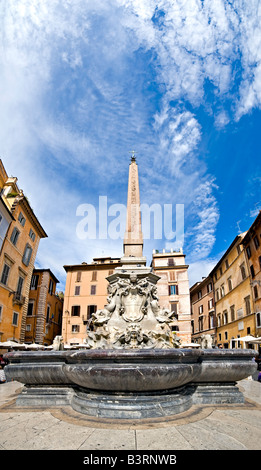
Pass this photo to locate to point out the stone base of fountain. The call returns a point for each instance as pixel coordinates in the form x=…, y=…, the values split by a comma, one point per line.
x=130, y=384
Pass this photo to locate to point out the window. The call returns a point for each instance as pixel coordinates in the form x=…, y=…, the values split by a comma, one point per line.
x=226, y=263
x=219, y=319
x=75, y=328
x=78, y=276
x=259, y=259
x=174, y=308
x=28, y=327
x=247, y=305
x=256, y=242
x=48, y=313
x=200, y=309
x=173, y=290
x=252, y=271
x=200, y=323
x=14, y=236
x=1, y=311
x=34, y=282
x=222, y=290
x=21, y=219
x=51, y=286
x=27, y=255
x=94, y=276
x=77, y=290
x=5, y=274
x=20, y=285
x=232, y=312
x=209, y=287
x=229, y=282
x=93, y=290
x=243, y=271
x=240, y=313
x=258, y=319
x=199, y=294
x=255, y=292
x=238, y=249
x=211, y=321
x=76, y=310
x=225, y=317
x=220, y=271
x=15, y=319
x=217, y=294
x=210, y=304
x=90, y=310
x=248, y=250
x=170, y=262
x=30, y=308
x=32, y=235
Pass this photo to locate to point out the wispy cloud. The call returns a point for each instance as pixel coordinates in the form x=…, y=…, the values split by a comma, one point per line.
x=84, y=82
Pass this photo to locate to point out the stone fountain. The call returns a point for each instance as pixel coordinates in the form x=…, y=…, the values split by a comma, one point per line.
x=133, y=367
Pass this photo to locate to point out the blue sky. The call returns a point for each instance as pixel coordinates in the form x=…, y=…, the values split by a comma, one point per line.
x=82, y=83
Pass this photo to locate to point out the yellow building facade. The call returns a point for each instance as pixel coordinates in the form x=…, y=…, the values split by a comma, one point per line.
x=252, y=245
x=235, y=317
x=17, y=257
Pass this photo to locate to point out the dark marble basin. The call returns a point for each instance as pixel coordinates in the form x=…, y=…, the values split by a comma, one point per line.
x=130, y=370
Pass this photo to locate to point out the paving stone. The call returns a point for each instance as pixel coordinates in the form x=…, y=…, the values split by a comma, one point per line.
x=165, y=439
x=214, y=428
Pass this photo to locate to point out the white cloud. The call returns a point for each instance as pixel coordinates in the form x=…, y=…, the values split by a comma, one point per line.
x=200, y=269
x=72, y=83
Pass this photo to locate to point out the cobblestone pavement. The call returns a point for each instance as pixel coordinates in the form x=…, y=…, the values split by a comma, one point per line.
x=226, y=427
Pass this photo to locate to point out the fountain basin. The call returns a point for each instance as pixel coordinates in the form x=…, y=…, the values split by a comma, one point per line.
x=130, y=383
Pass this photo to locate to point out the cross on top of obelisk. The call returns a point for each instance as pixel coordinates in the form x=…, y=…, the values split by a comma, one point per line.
x=133, y=156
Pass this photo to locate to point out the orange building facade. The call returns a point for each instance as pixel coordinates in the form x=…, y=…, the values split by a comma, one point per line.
x=45, y=307
x=203, y=319
x=85, y=292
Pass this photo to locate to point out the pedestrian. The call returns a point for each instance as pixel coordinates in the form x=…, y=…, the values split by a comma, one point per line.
x=2, y=375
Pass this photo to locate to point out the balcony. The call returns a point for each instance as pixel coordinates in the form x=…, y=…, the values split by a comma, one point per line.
x=18, y=299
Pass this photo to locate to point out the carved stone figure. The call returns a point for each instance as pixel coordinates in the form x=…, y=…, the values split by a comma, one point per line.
x=58, y=343
x=206, y=341
x=132, y=318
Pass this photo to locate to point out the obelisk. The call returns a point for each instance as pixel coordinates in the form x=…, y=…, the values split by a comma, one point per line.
x=133, y=238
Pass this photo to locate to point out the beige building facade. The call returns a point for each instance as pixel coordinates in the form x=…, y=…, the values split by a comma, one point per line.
x=173, y=289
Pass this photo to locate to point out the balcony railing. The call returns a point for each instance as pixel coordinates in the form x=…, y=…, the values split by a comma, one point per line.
x=18, y=298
